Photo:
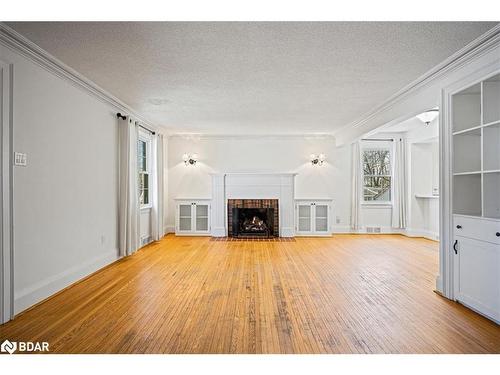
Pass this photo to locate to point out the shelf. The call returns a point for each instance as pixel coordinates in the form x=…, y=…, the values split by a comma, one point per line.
x=424, y=196
x=491, y=124
x=466, y=173
x=491, y=191
x=468, y=130
x=467, y=151
x=467, y=108
x=491, y=147
x=467, y=194
x=491, y=99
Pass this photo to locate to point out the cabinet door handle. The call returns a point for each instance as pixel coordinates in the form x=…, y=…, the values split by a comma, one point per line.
x=455, y=246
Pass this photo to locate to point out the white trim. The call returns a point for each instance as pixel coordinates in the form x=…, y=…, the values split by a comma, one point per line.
x=223, y=137
x=169, y=228
x=147, y=138
x=20, y=44
x=365, y=146
x=45, y=288
x=6, y=198
x=478, y=47
x=411, y=233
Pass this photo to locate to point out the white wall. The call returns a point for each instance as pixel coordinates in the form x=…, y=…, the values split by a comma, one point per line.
x=65, y=199
x=267, y=154
x=271, y=154
x=423, y=145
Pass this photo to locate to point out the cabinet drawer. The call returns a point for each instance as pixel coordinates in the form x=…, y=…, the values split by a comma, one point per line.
x=477, y=228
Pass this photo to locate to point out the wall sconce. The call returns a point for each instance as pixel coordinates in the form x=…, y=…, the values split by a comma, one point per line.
x=317, y=159
x=190, y=159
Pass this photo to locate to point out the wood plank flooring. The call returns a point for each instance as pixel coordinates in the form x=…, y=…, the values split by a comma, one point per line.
x=345, y=294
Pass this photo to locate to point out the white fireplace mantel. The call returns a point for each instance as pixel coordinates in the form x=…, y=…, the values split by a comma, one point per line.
x=253, y=186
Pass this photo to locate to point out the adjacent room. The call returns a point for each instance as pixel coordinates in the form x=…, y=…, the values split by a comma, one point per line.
x=250, y=187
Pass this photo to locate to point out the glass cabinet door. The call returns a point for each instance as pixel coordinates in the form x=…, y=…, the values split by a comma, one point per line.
x=201, y=215
x=321, y=217
x=304, y=217
x=185, y=217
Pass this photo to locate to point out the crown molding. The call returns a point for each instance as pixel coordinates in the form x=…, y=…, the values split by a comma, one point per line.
x=23, y=46
x=217, y=137
x=478, y=47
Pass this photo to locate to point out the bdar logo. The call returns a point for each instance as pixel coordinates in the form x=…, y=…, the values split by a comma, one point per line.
x=24, y=347
x=8, y=347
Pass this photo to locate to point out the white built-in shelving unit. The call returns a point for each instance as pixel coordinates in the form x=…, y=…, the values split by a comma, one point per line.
x=476, y=149
x=476, y=196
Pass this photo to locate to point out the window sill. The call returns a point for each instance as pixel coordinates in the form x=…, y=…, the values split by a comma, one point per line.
x=376, y=205
x=146, y=208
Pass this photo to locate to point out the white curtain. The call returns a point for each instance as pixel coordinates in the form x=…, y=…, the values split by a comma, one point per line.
x=355, y=186
x=128, y=210
x=400, y=181
x=158, y=230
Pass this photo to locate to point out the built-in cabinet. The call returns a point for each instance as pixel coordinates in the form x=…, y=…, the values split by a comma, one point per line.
x=313, y=217
x=475, y=137
x=192, y=217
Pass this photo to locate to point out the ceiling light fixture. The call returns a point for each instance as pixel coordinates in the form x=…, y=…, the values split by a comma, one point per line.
x=190, y=159
x=317, y=159
x=428, y=116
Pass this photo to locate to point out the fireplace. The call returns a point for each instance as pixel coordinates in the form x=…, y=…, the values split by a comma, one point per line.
x=253, y=218
x=253, y=222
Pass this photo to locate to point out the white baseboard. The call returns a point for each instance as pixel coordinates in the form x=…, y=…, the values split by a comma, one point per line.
x=409, y=232
x=31, y=295
x=218, y=232
x=340, y=229
x=169, y=229
x=439, y=284
x=345, y=229
x=287, y=232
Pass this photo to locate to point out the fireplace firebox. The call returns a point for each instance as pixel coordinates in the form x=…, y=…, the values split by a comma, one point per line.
x=253, y=218
x=253, y=222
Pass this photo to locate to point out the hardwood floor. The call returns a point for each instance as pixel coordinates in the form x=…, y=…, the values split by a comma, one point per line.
x=346, y=294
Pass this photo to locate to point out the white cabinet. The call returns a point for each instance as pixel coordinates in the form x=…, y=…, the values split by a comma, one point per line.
x=479, y=281
x=313, y=217
x=192, y=217
x=475, y=133
x=477, y=248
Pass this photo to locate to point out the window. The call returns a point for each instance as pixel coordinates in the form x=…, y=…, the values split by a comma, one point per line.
x=143, y=168
x=377, y=175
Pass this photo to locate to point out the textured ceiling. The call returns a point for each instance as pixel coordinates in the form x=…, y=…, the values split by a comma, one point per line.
x=252, y=77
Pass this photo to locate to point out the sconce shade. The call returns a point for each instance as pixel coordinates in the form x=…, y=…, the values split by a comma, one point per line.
x=428, y=116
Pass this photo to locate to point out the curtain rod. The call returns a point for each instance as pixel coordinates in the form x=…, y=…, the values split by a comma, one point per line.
x=123, y=117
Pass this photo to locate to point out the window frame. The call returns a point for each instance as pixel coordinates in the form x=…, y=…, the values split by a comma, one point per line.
x=148, y=140
x=374, y=146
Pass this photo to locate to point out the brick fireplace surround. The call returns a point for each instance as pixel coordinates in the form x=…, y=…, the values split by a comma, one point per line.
x=252, y=203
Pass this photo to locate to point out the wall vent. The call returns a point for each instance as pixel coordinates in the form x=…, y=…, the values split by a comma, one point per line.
x=373, y=230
